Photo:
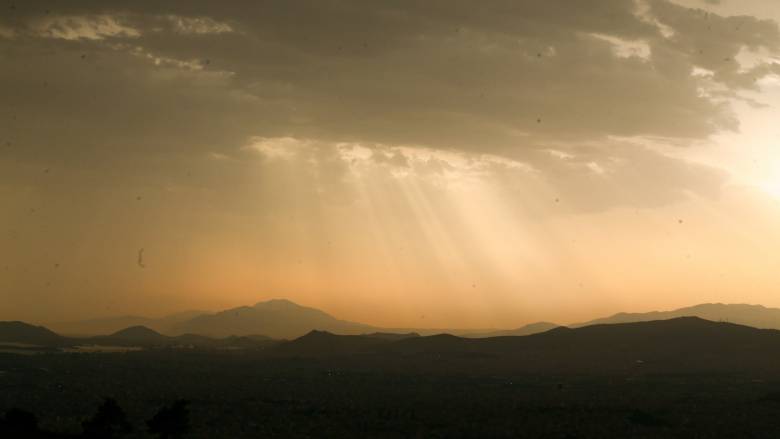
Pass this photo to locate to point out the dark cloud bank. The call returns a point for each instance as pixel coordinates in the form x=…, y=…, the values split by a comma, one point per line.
x=564, y=87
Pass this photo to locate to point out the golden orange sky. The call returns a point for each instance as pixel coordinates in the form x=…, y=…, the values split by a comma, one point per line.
x=398, y=164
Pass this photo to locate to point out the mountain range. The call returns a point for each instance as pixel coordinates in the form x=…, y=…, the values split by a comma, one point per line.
x=676, y=345
x=283, y=319
x=279, y=318
x=679, y=345
x=20, y=335
x=756, y=316
x=110, y=325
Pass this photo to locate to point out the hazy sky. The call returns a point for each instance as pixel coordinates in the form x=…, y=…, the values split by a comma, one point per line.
x=406, y=163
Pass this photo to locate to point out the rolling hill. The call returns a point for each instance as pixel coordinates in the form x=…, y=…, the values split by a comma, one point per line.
x=23, y=333
x=680, y=345
x=756, y=316
x=142, y=336
x=321, y=343
x=533, y=328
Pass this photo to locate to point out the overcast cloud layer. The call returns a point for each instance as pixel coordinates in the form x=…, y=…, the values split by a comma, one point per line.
x=514, y=78
x=254, y=108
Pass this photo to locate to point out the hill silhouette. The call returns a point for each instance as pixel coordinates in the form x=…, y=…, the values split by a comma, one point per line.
x=24, y=333
x=279, y=318
x=756, y=316
x=532, y=328
x=391, y=336
x=283, y=319
x=140, y=334
x=686, y=344
x=322, y=343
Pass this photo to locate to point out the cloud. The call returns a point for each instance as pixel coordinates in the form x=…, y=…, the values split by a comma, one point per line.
x=89, y=27
x=198, y=25
x=142, y=81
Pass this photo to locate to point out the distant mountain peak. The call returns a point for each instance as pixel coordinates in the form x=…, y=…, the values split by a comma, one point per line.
x=275, y=318
x=137, y=332
x=276, y=302
x=283, y=305
x=757, y=316
x=316, y=333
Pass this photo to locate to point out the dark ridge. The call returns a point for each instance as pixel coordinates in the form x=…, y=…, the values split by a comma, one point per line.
x=390, y=336
x=24, y=333
x=756, y=316
x=138, y=333
x=322, y=343
x=532, y=328
x=681, y=345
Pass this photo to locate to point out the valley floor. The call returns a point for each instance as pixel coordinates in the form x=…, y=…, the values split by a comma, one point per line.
x=242, y=394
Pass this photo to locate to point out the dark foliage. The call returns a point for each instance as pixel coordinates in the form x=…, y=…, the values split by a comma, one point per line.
x=109, y=422
x=171, y=422
x=19, y=423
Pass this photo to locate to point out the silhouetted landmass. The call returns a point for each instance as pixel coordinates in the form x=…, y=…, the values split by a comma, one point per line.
x=280, y=319
x=390, y=336
x=756, y=316
x=686, y=344
x=139, y=334
x=283, y=319
x=321, y=343
x=533, y=328
x=685, y=377
x=22, y=337
x=20, y=332
x=110, y=325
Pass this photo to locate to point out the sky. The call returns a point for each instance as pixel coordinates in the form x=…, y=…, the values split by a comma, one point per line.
x=398, y=163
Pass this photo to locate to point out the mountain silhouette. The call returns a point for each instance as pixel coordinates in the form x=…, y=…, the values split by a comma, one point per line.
x=680, y=345
x=279, y=318
x=533, y=328
x=283, y=319
x=322, y=343
x=24, y=333
x=756, y=316
x=138, y=333
x=141, y=336
x=391, y=336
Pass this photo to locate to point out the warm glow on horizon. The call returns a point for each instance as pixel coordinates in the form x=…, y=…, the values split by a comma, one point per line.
x=403, y=168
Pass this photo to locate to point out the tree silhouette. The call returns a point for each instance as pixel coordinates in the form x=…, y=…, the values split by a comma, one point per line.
x=109, y=422
x=19, y=423
x=171, y=422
